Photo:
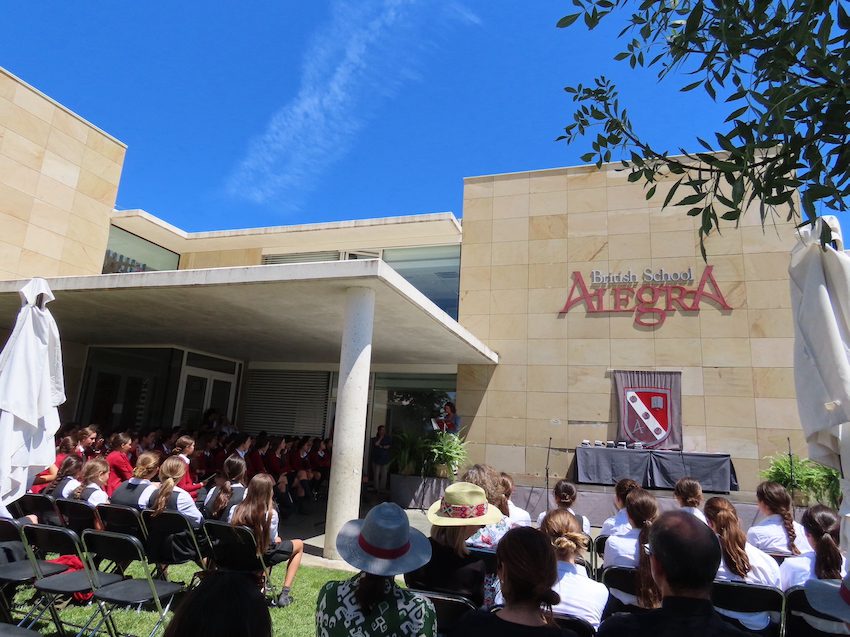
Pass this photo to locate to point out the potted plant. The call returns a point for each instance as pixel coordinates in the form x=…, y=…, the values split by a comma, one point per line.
x=805, y=479
x=447, y=453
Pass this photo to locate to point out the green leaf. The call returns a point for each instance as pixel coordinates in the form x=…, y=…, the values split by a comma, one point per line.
x=692, y=199
x=651, y=192
x=691, y=87
x=567, y=20
x=736, y=113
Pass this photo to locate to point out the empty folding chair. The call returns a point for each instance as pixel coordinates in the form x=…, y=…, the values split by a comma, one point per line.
x=125, y=549
x=43, y=540
x=450, y=608
x=740, y=597
x=77, y=515
x=579, y=626
x=20, y=571
x=42, y=506
x=172, y=540
x=122, y=519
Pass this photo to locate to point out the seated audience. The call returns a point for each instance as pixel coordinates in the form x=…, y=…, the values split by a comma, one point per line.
x=371, y=604
x=625, y=550
x=527, y=572
x=461, y=511
x=229, y=489
x=320, y=459
x=580, y=596
x=518, y=516
x=740, y=560
x=619, y=523
x=490, y=480
x=684, y=555
x=136, y=492
x=565, y=495
x=184, y=447
x=118, y=459
x=688, y=494
x=171, y=497
x=223, y=604
x=67, y=478
x=777, y=533
x=86, y=439
x=65, y=447
x=822, y=527
x=92, y=487
x=255, y=458
x=258, y=513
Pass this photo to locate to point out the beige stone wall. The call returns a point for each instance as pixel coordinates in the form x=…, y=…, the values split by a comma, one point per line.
x=523, y=236
x=220, y=258
x=58, y=181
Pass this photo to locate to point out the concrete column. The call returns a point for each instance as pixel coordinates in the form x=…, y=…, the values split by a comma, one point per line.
x=350, y=424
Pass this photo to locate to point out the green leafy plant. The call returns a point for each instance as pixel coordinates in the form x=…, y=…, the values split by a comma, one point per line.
x=817, y=481
x=409, y=451
x=447, y=449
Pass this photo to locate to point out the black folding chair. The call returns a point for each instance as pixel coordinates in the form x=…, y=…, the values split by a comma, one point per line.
x=741, y=597
x=122, y=519
x=234, y=548
x=450, y=608
x=41, y=506
x=797, y=607
x=620, y=578
x=779, y=557
x=22, y=571
x=42, y=539
x=173, y=540
x=581, y=627
x=598, y=552
x=125, y=549
x=77, y=515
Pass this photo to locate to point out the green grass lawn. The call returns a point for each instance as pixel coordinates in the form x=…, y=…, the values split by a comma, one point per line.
x=296, y=620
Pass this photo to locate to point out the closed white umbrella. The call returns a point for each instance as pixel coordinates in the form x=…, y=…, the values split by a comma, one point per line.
x=820, y=301
x=31, y=388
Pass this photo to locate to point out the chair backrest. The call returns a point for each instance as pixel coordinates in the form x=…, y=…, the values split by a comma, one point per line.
x=599, y=544
x=622, y=578
x=779, y=557
x=449, y=608
x=114, y=547
x=163, y=529
x=78, y=515
x=10, y=530
x=42, y=506
x=581, y=627
x=795, y=625
x=234, y=548
x=122, y=519
x=741, y=597
x=44, y=539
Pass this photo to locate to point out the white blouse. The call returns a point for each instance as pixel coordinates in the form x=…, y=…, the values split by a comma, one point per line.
x=585, y=523
x=764, y=571
x=580, y=596
x=622, y=550
x=518, y=516
x=98, y=496
x=797, y=570
x=69, y=487
x=769, y=536
x=694, y=511
x=617, y=524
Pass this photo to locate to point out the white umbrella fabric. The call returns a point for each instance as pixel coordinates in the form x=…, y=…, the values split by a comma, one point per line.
x=31, y=389
x=820, y=301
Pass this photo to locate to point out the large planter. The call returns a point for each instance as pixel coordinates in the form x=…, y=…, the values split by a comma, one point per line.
x=415, y=492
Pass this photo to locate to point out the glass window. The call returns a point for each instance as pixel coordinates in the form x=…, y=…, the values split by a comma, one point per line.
x=126, y=252
x=434, y=270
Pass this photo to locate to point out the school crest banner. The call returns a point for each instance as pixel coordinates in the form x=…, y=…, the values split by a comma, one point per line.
x=650, y=408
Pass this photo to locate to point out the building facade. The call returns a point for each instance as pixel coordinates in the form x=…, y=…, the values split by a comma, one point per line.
x=566, y=274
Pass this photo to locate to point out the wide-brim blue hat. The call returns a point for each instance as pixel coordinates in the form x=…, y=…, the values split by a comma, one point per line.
x=383, y=543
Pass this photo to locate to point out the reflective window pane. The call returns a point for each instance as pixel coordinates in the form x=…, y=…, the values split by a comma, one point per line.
x=125, y=252
x=434, y=270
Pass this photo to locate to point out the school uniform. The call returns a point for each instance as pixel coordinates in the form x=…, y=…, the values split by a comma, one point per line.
x=622, y=550
x=764, y=571
x=93, y=494
x=769, y=536
x=181, y=502
x=580, y=596
x=797, y=570
x=187, y=482
x=585, y=523
x=274, y=553
x=63, y=489
x=236, y=496
x=518, y=516
x=694, y=511
x=135, y=493
x=617, y=524
x=120, y=470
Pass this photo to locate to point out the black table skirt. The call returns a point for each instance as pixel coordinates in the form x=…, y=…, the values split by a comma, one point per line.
x=655, y=469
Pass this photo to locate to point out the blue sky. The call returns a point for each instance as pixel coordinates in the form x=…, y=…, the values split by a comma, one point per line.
x=272, y=113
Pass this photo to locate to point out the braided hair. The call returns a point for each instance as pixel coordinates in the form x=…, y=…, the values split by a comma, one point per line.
x=94, y=468
x=774, y=496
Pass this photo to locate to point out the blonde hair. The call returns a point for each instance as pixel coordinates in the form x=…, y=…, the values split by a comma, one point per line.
x=146, y=464
x=94, y=468
x=564, y=531
x=169, y=475
x=453, y=537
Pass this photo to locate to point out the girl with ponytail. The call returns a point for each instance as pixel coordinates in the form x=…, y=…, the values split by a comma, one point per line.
x=67, y=478
x=136, y=491
x=93, y=483
x=229, y=489
x=580, y=596
x=526, y=565
x=170, y=496
x=821, y=526
x=740, y=561
x=184, y=447
x=777, y=533
x=565, y=495
x=625, y=550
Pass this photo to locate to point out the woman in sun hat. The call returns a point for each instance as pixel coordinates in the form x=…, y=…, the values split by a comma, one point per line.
x=461, y=511
x=370, y=604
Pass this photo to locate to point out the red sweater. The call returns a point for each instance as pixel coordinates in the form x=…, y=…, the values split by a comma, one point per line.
x=187, y=482
x=120, y=470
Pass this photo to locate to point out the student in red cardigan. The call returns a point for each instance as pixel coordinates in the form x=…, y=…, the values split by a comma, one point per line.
x=120, y=468
x=184, y=447
x=254, y=459
x=66, y=446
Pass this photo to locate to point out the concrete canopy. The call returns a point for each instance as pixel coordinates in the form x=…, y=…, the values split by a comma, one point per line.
x=286, y=313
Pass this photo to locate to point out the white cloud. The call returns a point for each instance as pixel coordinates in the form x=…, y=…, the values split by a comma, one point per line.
x=354, y=64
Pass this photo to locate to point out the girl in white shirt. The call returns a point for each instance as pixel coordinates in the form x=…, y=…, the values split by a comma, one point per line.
x=740, y=561
x=626, y=549
x=258, y=513
x=67, y=478
x=619, y=523
x=777, y=533
x=580, y=596
x=137, y=491
x=688, y=492
x=822, y=528
x=565, y=495
x=93, y=483
x=517, y=515
x=170, y=496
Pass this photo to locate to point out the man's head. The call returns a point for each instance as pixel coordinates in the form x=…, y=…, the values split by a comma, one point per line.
x=685, y=555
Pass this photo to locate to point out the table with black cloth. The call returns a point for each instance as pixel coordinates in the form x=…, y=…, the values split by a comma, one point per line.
x=654, y=468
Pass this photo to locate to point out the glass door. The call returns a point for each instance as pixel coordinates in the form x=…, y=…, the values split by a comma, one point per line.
x=202, y=389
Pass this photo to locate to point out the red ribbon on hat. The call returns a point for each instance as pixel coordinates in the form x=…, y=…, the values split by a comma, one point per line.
x=463, y=510
x=384, y=554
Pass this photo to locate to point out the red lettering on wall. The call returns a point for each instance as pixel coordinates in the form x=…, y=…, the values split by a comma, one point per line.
x=592, y=300
x=716, y=295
